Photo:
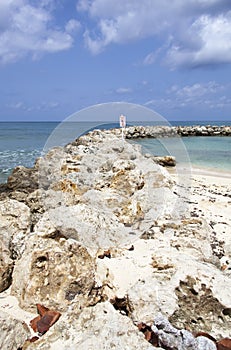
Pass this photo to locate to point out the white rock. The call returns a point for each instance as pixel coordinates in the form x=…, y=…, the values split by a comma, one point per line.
x=13, y=332
x=14, y=225
x=98, y=327
x=56, y=273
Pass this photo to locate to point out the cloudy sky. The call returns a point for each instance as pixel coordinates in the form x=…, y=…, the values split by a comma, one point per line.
x=59, y=56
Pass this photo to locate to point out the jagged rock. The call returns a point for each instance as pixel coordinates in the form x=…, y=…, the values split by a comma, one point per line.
x=104, y=200
x=178, y=339
x=98, y=327
x=191, y=236
x=13, y=332
x=14, y=226
x=184, y=291
x=6, y=267
x=23, y=179
x=56, y=273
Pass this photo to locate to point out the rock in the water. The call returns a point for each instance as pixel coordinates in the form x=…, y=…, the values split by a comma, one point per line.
x=13, y=332
x=55, y=273
x=167, y=161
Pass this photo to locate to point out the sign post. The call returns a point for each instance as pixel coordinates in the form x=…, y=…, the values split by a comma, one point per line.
x=123, y=125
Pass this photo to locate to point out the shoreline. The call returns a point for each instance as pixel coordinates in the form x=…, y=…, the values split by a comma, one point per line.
x=211, y=172
x=196, y=170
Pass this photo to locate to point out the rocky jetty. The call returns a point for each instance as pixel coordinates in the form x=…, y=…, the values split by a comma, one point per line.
x=112, y=252
x=134, y=132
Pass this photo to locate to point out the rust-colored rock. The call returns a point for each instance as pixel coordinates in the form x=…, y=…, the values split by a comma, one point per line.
x=45, y=320
x=42, y=310
x=33, y=339
x=224, y=344
x=33, y=323
x=106, y=254
x=150, y=336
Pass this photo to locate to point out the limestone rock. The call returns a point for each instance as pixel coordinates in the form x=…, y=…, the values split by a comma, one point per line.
x=184, y=291
x=179, y=339
x=98, y=327
x=55, y=273
x=23, y=179
x=104, y=194
x=13, y=332
x=6, y=267
x=14, y=225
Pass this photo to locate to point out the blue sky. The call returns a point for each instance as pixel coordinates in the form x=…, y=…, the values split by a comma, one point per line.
x=59, y=56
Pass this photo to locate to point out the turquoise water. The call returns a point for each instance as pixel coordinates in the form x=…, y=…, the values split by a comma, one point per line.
x=206, y=152
x=22, y=142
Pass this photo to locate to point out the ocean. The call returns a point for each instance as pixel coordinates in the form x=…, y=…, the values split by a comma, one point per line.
x=22, y=142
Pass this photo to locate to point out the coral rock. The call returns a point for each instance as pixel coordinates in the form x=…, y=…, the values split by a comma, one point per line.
x=13, y=332
x=59, y=272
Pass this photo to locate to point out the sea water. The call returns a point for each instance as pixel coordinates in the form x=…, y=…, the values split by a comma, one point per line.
x=22, y=142
x=210, y=152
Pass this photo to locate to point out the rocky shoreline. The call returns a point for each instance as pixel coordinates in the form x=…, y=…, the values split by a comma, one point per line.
x=113, y=252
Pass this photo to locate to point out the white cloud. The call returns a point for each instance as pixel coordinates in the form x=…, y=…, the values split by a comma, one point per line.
x=72, y=26
x=200, y=30
x=30, y=30
x=123, y=90
x=206, y=95
x=150, y=58
x=196, y=90
x=214, y=43
x=42, y=106
x=83, y=5
x=16, y=105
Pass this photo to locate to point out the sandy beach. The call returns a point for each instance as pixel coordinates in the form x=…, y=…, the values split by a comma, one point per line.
x=210, y=198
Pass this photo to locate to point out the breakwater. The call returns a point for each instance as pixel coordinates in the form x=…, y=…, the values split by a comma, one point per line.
x=133, y=132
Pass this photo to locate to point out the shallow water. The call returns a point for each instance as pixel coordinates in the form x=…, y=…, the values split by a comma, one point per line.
x=22, y=142
x=203, y=151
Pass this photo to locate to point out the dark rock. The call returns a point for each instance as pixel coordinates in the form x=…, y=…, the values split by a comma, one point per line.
x=106, y=254
x=47, y=321
x=150, y=336
x=167, y=161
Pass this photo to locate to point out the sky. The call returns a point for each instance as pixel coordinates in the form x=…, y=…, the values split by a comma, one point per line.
x=60, y=56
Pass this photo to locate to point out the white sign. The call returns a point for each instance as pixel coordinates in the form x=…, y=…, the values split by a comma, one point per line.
x=122, y=121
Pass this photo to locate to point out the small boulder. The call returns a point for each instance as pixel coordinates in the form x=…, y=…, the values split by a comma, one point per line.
x=56, y=273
